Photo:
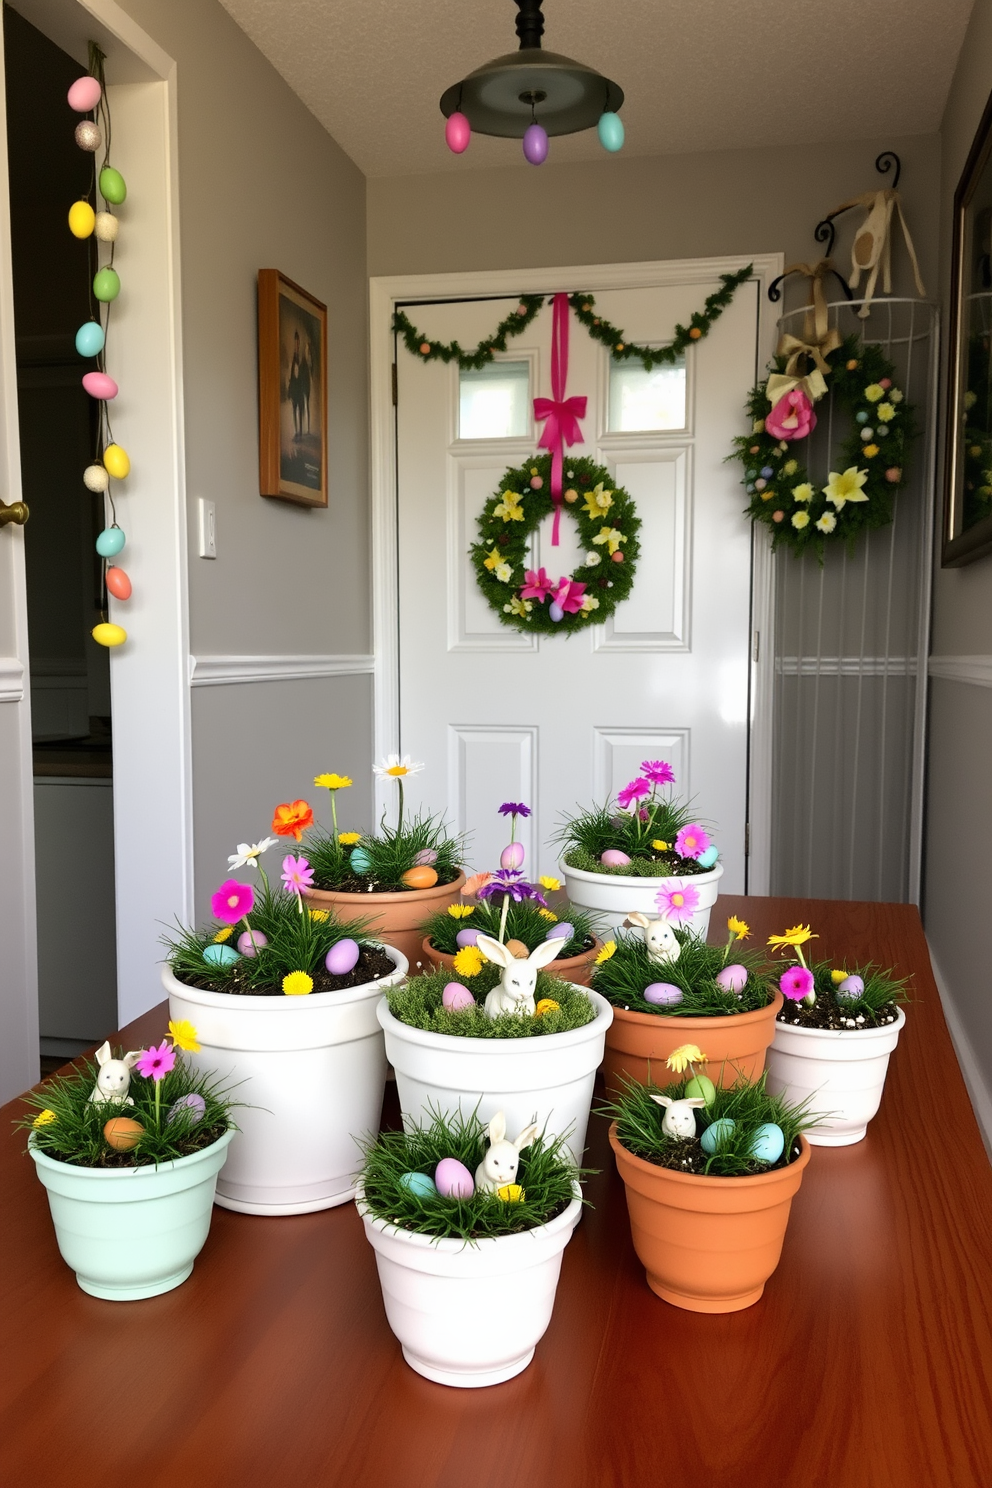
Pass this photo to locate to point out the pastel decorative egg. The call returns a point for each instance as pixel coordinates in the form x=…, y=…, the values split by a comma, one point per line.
x=717, y=1134
x=611, y=132
x=511, y=1193
x=88, y=136
x=536, y=482
x=106, y=227
x=250, y=942
x=122, y=1133
x=457, y=133
x=106, y=284
x=702, y=1087
x=517, y=949
x=535, y=146
x=342, y=957
x=562, y=931
x=466, y=938
x=193, y=1103
x=116, y=462
x=421, y=1185
x=614, y=858
x=84, y=94
x=457, y=998
x=769, y=1143
x=107, y=634
x=418, y=878
x=850, y=989
x=732, y=978
x=709, y=857
x=100, y=385
x=453, y=1180
x=360, y=860
x=110, y=542
x=512, y=856
x=220, y=955
x=118, y=583
x=555, y=611
x=112, y=187
x=82, y=219
x=95, y=478
x=425, y=859
x=664, y=994
x=90, y=339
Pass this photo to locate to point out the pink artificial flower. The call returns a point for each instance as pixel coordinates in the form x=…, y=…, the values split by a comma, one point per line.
x=536, y=585
x=659, y=772
x=569, y=595
x=692, y=841
x=635, y=790
x=155, y=1063
x=796, y=983
x=792, y=417
x=232, y=901
x=297, y=874
x=677, y=902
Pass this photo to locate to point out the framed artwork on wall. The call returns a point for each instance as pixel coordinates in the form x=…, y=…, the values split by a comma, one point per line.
x=968, y=430
x=292, y=396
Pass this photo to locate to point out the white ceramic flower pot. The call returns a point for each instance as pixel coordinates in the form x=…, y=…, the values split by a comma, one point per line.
x=842, y=1071
x=132, y=1232
x=469, y=1314
x=547, y=1078
x=613, y=898
x=311, y=1071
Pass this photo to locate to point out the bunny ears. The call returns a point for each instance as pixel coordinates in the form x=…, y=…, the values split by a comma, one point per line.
x=495, y=951
x=497, y=1133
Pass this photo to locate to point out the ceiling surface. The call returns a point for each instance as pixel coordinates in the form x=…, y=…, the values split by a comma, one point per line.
x=702, y=75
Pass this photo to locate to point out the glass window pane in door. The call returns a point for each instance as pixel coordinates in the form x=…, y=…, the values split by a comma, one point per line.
x=494, y=402
x=641, y=401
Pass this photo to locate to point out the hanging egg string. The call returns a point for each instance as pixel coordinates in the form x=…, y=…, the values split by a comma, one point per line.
x=88, y=95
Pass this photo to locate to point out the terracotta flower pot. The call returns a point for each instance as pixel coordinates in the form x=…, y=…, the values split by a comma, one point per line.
x=576, y=969
x=707, y=1244
x=395, y=918
x=637, y=1044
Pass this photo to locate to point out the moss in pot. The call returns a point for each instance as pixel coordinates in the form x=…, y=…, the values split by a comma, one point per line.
x=423, y=1003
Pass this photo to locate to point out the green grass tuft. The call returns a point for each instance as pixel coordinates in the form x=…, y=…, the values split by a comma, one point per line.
x=418, y=1004
x=390, y=854
x=583, y=839
x=883, y=993
x=623, y=978
x=524, y=922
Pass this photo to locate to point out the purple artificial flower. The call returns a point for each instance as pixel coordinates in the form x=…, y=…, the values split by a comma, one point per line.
x=677, y=902
x=511, y=881
x=692, y=841
x=297, y=874
x=796, y=983
x=635, y=790
x=514, y=808
x=659, y=772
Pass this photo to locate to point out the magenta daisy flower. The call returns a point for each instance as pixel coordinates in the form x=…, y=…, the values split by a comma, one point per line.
x=692, y=841
x=796, y=983
x=156, y=1062
x=677, y=902
x=635, y=790
x=659, y=772
x=232, y=901
x=297, y=874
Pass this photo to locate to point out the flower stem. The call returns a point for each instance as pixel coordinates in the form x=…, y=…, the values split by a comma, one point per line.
x=334, y=819
x=158, y=1104
x=399, y=822
x=251, y=936
x=502, y=918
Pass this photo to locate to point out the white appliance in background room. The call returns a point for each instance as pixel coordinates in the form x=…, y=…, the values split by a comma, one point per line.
x=555, y=721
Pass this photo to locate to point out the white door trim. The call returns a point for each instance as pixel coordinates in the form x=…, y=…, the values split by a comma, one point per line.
x=388, y=291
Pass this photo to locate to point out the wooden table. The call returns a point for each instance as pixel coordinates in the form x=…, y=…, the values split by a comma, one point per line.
x=866, y=1364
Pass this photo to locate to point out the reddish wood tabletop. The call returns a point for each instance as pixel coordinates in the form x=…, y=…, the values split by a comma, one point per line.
x=867, y=1363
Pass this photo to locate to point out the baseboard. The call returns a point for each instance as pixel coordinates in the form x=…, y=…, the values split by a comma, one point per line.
x=978, y=1090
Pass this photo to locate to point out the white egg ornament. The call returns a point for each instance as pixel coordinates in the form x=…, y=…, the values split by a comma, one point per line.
x=717, y=1134
x=342, y=957
x=768, y=1144
x=453, y=1180
x=732, y=978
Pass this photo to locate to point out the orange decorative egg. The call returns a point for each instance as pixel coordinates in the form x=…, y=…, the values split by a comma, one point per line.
x=420, y=878
x=518, y=949
x=122, y=1133
x=118, y=583
x=695, y=333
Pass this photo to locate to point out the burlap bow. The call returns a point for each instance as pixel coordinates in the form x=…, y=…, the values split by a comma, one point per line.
x=819, y=340
x=872, y=247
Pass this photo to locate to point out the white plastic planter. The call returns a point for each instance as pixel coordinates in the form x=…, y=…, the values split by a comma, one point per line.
x=613, y=897
x=843, y=1073
x=132, y=1232
x=469, y=1314
x=547, y=1078
x=311, y=1071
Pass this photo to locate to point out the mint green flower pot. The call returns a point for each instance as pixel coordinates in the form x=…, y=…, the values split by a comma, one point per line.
x=132, y=1232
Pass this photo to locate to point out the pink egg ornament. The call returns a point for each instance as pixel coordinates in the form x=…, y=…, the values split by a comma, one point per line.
x=664, y=994
x=425, y=859
x=343, y=957
x=84, y=95
x=466, y=938
x=100, y=385
x=614, y=858
x=456, y=998
x=453, y=1180
x=457, y=133
x=512, y=856
x=251, y=942
x=118, y=583
x=732, y=978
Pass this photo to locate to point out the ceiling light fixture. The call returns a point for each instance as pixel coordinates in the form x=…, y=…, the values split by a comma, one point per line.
x=531, y=94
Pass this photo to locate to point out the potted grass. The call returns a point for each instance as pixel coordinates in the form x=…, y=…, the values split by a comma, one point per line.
x=710, y=1183
x=391, y=880
x=833, y=1038
x=616, y=857
x=284, y=998
x=130, y=1164
x=468, y=1263
x=667, y=986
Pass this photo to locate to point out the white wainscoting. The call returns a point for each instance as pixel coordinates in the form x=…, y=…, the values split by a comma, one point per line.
x=487, y=763
x=220, y=671
x=11, y=680
x=974, y=669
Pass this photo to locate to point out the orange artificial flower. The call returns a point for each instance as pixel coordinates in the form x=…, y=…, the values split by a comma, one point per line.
x=292, y=820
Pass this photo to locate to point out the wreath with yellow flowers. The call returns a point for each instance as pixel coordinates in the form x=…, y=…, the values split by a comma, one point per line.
x=866, y=471
x=536, y=600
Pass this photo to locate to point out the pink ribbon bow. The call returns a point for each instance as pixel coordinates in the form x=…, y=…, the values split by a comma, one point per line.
x=560, y=415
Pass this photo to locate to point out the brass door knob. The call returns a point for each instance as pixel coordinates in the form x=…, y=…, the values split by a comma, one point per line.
x=15, y=512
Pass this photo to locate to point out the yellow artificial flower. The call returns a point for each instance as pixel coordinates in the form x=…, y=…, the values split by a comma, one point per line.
x=548, y=914
x=837, y=977
x=224, y=933
x=546, y=1005
x=885, y=412
x=297, y=984
x=790, y=467
x=797, y=936
x=611, y=536
x=874, y=391
x=469, y=961
x=869, y=452
x=800, y=519
x=509, y=508
x=683, y=1056
x=518, y=606
x=318, y=914
x=348, y=839
x=895, y=396
x=803, y=492
x=184, y=1036
x=606, y=952
x=503, y=572
x=461, y=911
x=333, y=782
x=551, y=884
x=659, y=845
x=758, y=427
x=44, y=1118
x=844, y=487
x=826, y=523
x=739, y=928
x=493, y=558
x=510, y=1193
x=598, y=501
x=589, y=603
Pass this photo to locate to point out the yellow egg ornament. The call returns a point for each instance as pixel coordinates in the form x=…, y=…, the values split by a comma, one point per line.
x=116, y=461
x=109, y=635
x=511, y=1193
x=82, y=219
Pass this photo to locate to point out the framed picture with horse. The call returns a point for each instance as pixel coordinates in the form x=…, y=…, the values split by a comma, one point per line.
x=292, y=391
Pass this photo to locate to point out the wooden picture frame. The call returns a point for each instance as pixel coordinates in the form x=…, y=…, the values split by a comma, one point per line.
x=968, y=426
x=292, y=391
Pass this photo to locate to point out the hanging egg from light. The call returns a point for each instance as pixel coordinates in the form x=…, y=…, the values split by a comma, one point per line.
x=88, y=136
x=110, y=542
x=100, y=385
x=119, y=586
x=106, y=227
x=457, y=133
x=611, y=132
x=106, y=284
x=95, y=478
x=535, y=144
x=555, y=611
x=116, y=461
x=84, y=94
x=90, y=338
x=112, y=187
x=109, y=635
x=82, y=219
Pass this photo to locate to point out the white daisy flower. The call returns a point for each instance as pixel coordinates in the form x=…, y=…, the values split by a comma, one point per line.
x=250, y=852
x=396, y=768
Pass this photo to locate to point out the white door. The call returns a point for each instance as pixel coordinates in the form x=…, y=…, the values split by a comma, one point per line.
x=552, y=721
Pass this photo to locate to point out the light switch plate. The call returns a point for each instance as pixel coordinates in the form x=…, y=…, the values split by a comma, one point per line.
x=208, y=529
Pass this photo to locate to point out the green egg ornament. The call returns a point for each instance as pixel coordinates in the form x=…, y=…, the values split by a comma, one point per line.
x=611, y=132
x=112, y=186
x=220, y=955
x=106, y=285
x=717, y=1134
x=701, y=1087
x=421, y=1185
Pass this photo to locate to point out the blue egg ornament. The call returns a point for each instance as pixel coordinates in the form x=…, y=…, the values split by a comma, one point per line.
x=767, y=472
x=360, y=860
x=717, y=1134
x=555, y=611
x=421, y=1185
x=110, y=542
x=90, y=338
x=342, y=957
x=709, y=857
x=769, y=1143
x=611, y=132
x=220, y=955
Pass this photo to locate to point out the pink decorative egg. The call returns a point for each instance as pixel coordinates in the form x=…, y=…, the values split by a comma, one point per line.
x=343, y=957
x=84, y=95
x=456, y=998
x=466, y=938
x=425, y=859
x=732, y=978
x=99, y=385
x=453, y=1180
x=118, y=583
x=512, y=856
x=614, y=858
x=665, y=994
x=457, y=134
x=250, y=944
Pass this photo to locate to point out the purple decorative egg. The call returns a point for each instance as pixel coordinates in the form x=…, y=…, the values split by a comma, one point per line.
x=425, y=859
x=665, y=994
x=466, y=938
x=850, y=989
x=84, y=94
x=536, y=149
x=555, y=611
x=512, y=856
x=562, y=931
x=457, y=133
x=732, y=978
x=251, y=942
x=614, y=858
x=456, y=998
x=100, y=385
x=193, y=1103
x=342, y=958
x=453, y=1179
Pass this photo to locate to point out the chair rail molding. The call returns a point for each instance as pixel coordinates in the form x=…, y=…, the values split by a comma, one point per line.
x=11, y=679
x=220, y=671
x=974, y=669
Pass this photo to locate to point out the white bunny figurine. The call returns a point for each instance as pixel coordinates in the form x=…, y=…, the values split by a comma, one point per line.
x=515, y=991
x=499, y=1166
x=678, y=1120
x=659, y=937
x=114, y=1078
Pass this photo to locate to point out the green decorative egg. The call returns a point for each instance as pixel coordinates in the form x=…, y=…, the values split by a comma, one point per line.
x=106, y=284
x=220, y=955
x=112, y=187
x=701, y=1087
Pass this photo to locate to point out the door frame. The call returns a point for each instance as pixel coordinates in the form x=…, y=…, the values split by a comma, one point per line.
x=385, y=293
